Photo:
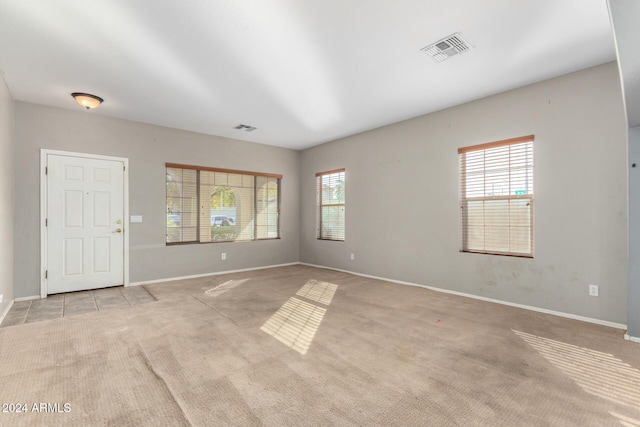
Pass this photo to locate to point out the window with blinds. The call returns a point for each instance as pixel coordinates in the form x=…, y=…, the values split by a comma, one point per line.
x=330, y=194
x=496, y=197
x=214, y=205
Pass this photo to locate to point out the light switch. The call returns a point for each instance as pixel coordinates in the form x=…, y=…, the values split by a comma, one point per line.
x=136, y=218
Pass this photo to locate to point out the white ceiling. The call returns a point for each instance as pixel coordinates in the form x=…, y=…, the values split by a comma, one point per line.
x=302, y=72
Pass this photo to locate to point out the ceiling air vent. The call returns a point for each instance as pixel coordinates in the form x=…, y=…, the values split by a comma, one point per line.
x=245, y=128
x=447, y=47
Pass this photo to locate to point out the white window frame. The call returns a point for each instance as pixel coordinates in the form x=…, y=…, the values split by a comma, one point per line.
x=336, y=231
x=493, y=223
x=199, y=217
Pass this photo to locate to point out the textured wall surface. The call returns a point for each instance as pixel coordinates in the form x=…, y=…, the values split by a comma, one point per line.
x=6, y=195
x=148, y=148
x=402, y=213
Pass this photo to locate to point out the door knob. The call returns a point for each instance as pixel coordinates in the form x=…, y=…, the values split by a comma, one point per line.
x=118, y=230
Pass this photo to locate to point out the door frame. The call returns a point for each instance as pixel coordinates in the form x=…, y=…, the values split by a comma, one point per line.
x=44, y=153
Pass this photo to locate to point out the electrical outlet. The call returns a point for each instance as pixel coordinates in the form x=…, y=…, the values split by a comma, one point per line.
x=223, y=256
x=593, y=290
x=353, y=257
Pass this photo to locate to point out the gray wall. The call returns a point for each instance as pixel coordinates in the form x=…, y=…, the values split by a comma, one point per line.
x=147, y=147
x=625, y=15
x=580, y=185
x=580, y=197
x=6, y=195
x=633, y=299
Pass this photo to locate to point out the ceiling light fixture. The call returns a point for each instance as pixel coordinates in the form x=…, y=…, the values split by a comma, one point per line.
x=87, y=100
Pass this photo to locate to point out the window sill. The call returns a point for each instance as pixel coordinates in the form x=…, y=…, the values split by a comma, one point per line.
x=515, y=255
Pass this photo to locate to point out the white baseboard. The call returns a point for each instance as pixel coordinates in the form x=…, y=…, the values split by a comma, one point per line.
x=481, y=298
x=216, y=273
x=28, y=298
x=6, y=311
x=446, y=291
x=632, y=339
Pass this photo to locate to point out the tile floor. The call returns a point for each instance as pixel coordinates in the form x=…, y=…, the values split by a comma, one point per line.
x=68, y=304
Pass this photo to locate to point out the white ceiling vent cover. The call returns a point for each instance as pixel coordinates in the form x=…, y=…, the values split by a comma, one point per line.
x=447, y=47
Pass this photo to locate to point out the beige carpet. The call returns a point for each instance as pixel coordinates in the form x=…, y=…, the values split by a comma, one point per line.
x=297, y=346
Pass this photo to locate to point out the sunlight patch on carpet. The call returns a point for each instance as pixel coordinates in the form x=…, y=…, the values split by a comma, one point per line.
x=596, y=372
x=224, y=287
x=626, y=421
x=295, y=324
x=316, y=290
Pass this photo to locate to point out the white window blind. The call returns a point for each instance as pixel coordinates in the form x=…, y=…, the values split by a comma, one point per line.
x=182, y=205
x=496, y=197
x=267, y=208
x=213, y=205
x=330, y=196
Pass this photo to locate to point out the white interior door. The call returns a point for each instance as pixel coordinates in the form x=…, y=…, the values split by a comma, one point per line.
x=85, y=223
